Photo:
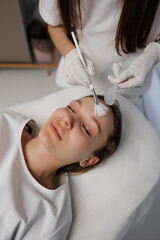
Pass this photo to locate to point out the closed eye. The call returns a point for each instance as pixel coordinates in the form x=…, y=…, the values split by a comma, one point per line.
x=82, y=124
x=86, y=130
x=70, y=108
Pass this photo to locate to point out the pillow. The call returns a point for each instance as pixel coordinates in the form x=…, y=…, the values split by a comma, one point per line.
x=112, y=198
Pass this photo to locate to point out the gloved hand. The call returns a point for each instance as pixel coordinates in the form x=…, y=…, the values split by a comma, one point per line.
x=75, y=72
x=136, y=73
x=117, y=69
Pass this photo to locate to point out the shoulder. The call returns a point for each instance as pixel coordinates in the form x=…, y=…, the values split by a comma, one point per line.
x=11, y=122
x=8, y=115
x=49, y=12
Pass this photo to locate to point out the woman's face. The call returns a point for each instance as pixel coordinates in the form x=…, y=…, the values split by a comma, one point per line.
x=73, y=133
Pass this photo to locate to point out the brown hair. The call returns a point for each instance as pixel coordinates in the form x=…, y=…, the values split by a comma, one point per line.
x=134, y=26
x=67, y=9
x=107, y=150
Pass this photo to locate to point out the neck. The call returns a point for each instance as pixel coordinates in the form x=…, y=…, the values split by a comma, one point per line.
x=39, y=162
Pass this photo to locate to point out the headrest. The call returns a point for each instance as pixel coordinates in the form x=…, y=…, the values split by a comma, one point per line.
x=108, y=200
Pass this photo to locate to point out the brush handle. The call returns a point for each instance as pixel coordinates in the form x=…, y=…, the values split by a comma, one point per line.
x=84, y=65
x=94, y=94
x=78, y=50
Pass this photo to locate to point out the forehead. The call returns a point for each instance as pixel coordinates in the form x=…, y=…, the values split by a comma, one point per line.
x=87, y=104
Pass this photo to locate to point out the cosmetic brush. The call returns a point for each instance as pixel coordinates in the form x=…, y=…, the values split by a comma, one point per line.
x=99, y=108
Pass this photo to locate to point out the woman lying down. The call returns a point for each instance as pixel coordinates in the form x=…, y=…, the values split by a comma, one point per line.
x=32, y=204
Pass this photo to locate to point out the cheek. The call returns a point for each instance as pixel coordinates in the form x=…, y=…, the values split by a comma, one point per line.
x=57, y=114
x=78, y=139
x=77, y=146
x=101, y=142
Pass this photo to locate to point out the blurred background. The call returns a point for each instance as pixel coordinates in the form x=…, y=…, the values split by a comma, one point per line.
x=28, y=65
x=28, y=58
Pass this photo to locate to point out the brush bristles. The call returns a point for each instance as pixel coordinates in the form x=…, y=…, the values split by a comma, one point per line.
x=100, y=109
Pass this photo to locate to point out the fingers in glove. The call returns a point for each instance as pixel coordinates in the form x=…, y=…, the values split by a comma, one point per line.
x=116, y=69
x=82, y=74
x=111, y=79
x=74, y=71
x=120, y=64
x=77, y=75
x=130, y=83
x=71, y=76
x=90, y=67
x=127, y=74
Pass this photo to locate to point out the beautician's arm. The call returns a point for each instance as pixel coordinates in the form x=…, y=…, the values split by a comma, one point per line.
x=60, y=39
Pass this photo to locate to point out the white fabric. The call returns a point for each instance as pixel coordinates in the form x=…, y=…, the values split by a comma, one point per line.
x=27, y=209
x=46, y=9
x=97, y=41
x=109, y=200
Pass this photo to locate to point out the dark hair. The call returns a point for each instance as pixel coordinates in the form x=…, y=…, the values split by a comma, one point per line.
x=67, y=9
x=133, y=28
x=135, y=24
x=107, y=150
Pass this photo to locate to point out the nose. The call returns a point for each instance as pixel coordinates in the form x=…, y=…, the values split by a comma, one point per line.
x=68, y=121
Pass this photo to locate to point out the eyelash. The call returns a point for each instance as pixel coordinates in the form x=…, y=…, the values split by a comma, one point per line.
x=86, y=130
x=82, y=124
x=70, y=108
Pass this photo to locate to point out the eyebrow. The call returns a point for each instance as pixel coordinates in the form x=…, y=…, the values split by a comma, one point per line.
x=93, y=118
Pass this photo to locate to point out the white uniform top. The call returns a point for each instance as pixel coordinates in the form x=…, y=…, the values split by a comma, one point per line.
x=27, y=209
x=97, y=40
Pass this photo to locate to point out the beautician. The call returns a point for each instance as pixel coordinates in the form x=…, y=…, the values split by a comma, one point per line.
x=109, y=31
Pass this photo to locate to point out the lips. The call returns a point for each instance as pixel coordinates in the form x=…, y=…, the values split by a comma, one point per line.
x=56, y=129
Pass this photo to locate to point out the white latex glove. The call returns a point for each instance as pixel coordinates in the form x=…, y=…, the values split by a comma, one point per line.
x=136, y=73
x=117, y=69
x=74, y=70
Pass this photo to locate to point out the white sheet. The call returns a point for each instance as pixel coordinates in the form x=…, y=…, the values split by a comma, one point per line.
x=108, y=201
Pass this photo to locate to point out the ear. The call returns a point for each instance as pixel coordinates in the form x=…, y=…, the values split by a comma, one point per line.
x=88, y=162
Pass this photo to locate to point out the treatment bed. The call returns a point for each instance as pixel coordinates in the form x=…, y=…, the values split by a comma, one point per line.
x=112, y=201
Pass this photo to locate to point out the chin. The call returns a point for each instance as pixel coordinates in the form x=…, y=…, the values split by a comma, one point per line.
x=44, y=137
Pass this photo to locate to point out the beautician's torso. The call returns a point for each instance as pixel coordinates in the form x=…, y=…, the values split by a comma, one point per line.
x=97, y=41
